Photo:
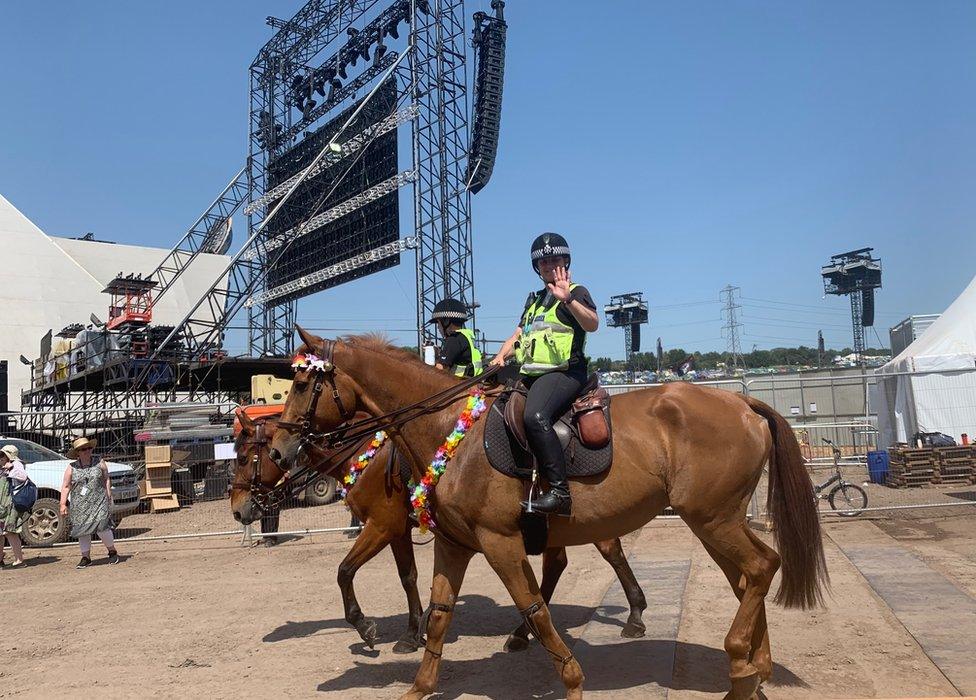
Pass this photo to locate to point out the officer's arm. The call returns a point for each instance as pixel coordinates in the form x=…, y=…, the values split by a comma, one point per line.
x=586, y=316
x=506, y=348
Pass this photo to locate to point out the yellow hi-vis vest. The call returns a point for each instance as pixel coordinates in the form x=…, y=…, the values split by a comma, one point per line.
x=546, y=343
x=462, y=370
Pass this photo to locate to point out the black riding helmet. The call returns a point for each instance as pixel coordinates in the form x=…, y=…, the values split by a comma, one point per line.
x=451, y=310
x=547, y=245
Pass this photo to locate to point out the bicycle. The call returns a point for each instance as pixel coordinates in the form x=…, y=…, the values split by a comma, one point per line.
x=844, y=493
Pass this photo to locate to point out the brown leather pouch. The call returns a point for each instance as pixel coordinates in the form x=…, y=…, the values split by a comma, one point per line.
x=592, y=423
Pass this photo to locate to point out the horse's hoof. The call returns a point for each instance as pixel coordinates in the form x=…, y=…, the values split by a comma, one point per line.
x=407, y=646
x=633, y=630
x=746, y=688
x=367, y=631
x=516, y=643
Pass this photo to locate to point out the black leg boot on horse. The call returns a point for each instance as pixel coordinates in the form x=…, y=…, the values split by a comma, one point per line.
x=548, y=398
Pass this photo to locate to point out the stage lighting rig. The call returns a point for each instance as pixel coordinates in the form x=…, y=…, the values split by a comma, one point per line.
x=855, y=274
x=628, y=311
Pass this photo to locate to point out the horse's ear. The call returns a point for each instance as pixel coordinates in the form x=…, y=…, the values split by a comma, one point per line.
x=246, y=422
x=311, y=341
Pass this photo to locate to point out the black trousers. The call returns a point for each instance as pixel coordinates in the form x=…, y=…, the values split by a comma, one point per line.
x=550, y=395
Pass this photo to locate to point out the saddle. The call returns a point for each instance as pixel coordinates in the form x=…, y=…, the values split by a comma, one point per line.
x=589, y=416
x=584, y=431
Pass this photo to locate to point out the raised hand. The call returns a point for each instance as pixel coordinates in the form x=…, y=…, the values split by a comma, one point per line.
x=559, y=287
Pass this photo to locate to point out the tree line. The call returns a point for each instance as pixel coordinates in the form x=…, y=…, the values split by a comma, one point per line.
x=801, y=356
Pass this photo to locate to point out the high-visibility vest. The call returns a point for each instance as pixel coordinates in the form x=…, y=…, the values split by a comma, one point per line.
x=462, y=370
x=546, y=342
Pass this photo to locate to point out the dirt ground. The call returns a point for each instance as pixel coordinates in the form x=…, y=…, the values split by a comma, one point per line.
x=216, y=619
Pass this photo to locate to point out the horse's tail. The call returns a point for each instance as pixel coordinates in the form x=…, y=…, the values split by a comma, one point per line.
x=792, y=504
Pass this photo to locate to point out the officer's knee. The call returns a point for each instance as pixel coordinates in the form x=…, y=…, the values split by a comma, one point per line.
x=537, y=422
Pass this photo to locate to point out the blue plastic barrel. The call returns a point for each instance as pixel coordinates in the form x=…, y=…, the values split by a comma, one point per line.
x=878, y=466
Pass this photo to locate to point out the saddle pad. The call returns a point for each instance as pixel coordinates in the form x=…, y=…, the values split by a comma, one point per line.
x=507, y=457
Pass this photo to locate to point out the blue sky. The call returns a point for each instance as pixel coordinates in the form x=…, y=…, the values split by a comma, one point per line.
x=680, y=147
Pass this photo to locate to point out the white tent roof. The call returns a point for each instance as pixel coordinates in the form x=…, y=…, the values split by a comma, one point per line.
x=948, y=344
x=49, y=283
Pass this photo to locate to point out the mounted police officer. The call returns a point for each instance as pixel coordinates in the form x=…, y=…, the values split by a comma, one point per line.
x=549, y=345
x=458, y=354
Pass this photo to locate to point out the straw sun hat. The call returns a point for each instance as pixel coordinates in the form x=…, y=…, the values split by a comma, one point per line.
x=79, y=444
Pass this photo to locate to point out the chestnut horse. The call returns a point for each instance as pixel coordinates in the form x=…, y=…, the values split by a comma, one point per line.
x=699, y=450
x=379, y=499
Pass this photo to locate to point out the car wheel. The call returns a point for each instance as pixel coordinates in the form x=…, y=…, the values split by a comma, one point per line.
x=46, y=526
x=322, y=492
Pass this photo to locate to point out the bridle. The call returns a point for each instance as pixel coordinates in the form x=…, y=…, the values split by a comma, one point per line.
x=270, y=497
x=355, y=432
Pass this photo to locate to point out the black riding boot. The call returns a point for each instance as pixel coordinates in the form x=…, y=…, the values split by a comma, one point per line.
x=552, y=466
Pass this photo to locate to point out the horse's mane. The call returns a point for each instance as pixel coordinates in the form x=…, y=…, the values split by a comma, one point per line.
x=379, y=342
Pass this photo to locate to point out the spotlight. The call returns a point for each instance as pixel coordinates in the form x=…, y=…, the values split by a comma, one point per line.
x=307, y=109
x=380, y=49
x=25, y=361
x=423, y=6
x=342, y=71
x=352, y=32
x=392, y=28
x=334, y=85
x=364, y=52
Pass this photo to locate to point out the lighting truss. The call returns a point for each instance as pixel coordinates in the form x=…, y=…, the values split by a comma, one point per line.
x=353, y=145
x=340, y=268
x=337, y=212
x=346, y=91
x=201, y=235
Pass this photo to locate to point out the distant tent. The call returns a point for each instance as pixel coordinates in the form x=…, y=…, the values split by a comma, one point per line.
x=930, y=386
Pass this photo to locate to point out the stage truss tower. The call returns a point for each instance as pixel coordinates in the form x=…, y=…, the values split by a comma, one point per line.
x=433, y=78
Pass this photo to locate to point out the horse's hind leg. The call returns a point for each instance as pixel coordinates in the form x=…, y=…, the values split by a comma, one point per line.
x=757, y=566
x=370, y=541
x=507, y=557
x=613, y=552
x=554, y=562
x=450, y=563
x=760, y=656
x=402, y=548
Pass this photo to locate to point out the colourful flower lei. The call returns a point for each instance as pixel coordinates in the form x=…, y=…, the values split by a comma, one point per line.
x=357, y=466
x=420, y=493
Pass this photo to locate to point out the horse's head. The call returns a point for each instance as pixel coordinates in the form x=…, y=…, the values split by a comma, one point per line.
x=322, y=398
x=254, y=467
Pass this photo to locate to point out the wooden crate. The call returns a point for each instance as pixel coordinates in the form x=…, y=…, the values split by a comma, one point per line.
x=158, y=454
x=159, y=479
x=161, y=504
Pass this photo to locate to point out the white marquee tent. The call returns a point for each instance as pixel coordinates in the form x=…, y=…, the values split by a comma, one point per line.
x=931, y=385
x=49, y=283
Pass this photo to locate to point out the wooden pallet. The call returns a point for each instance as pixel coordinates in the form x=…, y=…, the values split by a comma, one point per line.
x=957, y=452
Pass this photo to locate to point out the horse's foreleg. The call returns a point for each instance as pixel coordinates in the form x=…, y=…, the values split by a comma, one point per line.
x=613, y=552
x=369, y=542
x=507, y=557
x=554, y=563
x=450, y=563
x=402, y=548
x=750, y=569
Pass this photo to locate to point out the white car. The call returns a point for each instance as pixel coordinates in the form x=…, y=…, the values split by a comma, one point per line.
x=46, y=469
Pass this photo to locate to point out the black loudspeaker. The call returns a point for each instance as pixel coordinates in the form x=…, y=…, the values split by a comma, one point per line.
x=867, y=307
x=489, y=44
x=635, y=337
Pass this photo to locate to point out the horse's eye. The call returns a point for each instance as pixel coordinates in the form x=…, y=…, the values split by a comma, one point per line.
x=299, y=385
